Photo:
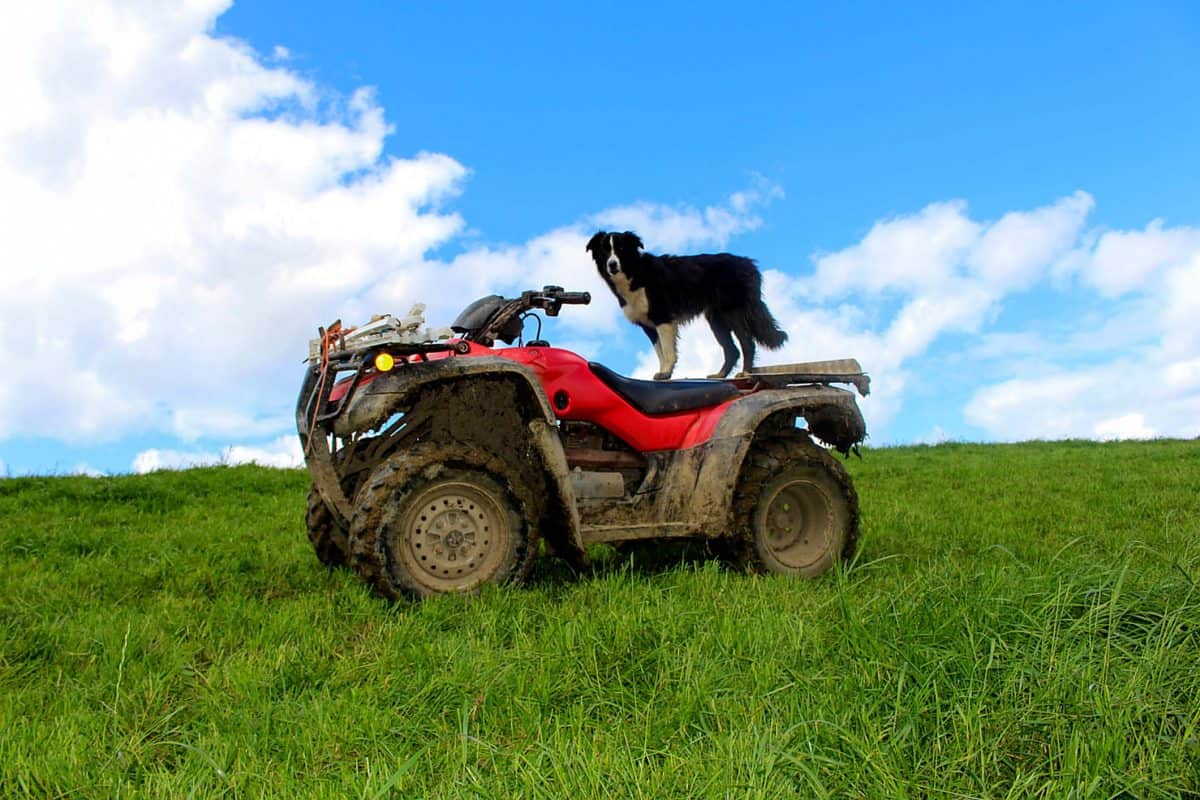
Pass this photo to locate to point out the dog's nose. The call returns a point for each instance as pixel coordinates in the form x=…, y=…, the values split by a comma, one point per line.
x=614, y=267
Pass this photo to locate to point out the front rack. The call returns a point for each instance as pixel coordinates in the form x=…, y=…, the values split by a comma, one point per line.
x=395, y=333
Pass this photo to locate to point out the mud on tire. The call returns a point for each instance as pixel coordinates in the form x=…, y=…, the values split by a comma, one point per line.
x=795, y=510
x=328, y=539
x=440, y=518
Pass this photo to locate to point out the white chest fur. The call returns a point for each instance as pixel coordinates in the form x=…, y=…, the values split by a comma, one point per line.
x=637, y=305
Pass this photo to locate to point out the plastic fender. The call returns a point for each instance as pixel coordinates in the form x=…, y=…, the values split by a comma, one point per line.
x=704, y=485
x=375, y=399
x=745, y=414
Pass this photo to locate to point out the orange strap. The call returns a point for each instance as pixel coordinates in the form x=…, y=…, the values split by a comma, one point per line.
x=335, y=334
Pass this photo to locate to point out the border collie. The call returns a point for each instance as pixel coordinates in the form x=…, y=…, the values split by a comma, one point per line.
x=660, y=293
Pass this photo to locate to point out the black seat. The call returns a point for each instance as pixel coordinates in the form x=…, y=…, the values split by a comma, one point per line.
x=665, y=397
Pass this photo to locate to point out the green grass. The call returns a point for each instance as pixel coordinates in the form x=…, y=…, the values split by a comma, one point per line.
x=1022, y=621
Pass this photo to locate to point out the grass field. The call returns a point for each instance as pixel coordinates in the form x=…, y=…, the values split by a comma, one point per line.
x=1022, y=621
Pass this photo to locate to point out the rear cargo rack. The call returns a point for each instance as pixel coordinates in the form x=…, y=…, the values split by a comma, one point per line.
x=841, y=370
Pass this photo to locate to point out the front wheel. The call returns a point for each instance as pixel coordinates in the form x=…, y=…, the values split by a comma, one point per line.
x=441, y=519
x=796, y=511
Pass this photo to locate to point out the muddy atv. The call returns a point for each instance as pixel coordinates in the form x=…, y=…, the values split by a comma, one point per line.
x=440, y=463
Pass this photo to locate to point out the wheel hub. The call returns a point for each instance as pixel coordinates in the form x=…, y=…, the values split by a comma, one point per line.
x=452, y=535
x=799, y=523
x=455, y=539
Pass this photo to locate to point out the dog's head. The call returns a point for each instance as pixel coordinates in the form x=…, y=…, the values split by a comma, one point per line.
x=614, y=253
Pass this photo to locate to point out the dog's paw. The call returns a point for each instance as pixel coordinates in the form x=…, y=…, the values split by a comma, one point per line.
x=662, y=376
x=717, y=376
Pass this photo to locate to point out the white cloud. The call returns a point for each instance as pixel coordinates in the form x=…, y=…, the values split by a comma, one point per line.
x=1124, y=261
x=924, y=252
x=283, y=452
x=155, y=459
x=190, y=422
x=1016, y=250
x=178, y=215
x=920, y=251
x=1183, y=376
x=1178, y=300
x=684, y=228
x=1152, y=385
x=1048, y=407
x=1129, y=426
x=1127, y=399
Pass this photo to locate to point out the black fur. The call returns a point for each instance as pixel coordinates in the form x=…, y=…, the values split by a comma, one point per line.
x=725, y=288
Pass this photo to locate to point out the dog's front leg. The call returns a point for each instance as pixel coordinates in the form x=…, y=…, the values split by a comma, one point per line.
x=668, y=335
x=656, y=340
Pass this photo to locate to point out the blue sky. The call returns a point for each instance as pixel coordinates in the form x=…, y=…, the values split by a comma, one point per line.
x=992, y=206
x=859, y=112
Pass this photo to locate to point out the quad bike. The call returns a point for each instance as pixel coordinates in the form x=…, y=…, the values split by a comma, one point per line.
x=439, y=463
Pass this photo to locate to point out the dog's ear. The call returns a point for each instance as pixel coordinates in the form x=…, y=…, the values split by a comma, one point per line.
x=595, y=240
x=636, y=239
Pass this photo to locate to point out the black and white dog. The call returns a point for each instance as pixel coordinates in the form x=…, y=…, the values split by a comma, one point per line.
x=660, y=293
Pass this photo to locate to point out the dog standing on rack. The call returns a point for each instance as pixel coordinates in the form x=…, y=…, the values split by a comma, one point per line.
x=660, y=293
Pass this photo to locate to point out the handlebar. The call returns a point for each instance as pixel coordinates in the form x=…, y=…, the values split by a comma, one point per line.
x=574, y=298
x=552, y=298
x=504, y=321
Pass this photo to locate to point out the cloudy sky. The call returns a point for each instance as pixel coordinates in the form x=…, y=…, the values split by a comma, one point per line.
x=994, y=210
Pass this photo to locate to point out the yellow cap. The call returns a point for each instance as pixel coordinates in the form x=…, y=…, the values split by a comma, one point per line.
x=384, y=362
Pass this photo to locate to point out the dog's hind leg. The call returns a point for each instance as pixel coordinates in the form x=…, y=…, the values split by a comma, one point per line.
x=746, y=339
x=720, y=329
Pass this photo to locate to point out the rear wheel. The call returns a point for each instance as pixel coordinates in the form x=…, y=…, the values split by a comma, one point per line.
x=441, y=519
x=327, y=537
x=795, y=509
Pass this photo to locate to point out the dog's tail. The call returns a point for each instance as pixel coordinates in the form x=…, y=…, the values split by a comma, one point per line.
x=764, y=328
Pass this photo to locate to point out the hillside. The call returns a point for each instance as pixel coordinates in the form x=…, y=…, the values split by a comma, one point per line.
x=1022, y=620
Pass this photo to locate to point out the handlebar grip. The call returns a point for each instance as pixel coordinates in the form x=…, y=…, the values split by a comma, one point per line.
x=574, y=298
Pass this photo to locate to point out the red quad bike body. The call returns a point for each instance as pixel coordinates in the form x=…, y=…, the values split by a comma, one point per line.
x=440, y=462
